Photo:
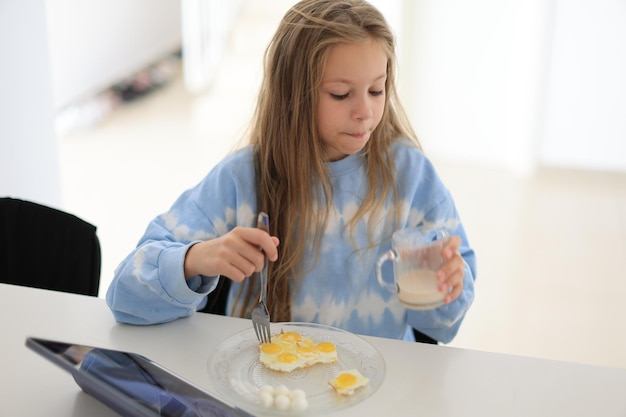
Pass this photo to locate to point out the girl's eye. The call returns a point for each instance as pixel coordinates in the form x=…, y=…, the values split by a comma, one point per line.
x=375, y=93
x=339, y=96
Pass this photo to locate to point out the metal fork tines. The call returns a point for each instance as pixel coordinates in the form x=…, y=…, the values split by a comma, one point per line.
x=260, y=314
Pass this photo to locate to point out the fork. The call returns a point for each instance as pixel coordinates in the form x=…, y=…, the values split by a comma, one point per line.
x=260, y=314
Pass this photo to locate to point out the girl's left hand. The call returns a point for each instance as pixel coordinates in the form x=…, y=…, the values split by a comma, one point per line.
x=452, y=271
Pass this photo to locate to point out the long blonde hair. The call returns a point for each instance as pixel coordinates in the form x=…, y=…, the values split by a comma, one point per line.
x=291, y=169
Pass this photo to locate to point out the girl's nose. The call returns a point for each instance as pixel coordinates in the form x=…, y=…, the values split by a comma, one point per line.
x=362, y=109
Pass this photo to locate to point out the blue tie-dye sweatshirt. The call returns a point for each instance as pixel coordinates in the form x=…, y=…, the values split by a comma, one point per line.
x=341, y=291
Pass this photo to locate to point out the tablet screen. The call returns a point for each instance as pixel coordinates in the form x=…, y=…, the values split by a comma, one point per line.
x=132, y=377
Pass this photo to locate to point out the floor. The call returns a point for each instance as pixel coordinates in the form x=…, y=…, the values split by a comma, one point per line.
x=551, y=280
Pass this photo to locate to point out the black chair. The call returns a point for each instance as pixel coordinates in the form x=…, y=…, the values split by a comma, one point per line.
x=422, y=338
x=43, y=247
x=216, y=303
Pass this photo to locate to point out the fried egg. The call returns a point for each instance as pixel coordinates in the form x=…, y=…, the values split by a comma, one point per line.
x=347, y=382
x=268, y=352
x=327, y=352
x=274, y=356
x=290, y=350
x=289, y=337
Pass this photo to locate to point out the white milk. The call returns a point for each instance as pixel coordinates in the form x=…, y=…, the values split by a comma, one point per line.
x=418, y=288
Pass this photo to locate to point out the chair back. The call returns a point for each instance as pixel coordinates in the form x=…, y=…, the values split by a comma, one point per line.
x=43, y=247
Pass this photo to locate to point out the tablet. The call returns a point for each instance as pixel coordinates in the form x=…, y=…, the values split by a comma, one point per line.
x=131, y=384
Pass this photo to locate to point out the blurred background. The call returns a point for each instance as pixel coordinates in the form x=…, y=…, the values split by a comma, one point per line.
x=110, y=109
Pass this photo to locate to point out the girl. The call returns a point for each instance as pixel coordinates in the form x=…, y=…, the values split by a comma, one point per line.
x=334, y=162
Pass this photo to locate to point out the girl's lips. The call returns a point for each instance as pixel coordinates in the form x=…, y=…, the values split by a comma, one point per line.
x=359, y=135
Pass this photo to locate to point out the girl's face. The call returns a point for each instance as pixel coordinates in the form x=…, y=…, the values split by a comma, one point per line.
x=352, y=97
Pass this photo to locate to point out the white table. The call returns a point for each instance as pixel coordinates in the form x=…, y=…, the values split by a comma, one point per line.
x=421, y=380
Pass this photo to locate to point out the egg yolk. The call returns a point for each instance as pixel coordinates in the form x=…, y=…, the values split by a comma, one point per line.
x=271, y=348
x=345, y=380
x=326, y=347
x=305, y=348
x=287, y=357
x=291, y=337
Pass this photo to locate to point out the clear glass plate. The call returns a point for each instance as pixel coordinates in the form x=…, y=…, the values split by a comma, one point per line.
x=237, y=375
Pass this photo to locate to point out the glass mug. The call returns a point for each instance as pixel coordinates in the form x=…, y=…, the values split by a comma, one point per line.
x=417, y=255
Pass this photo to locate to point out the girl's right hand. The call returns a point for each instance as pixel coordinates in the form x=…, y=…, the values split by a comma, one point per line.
x=235, y=254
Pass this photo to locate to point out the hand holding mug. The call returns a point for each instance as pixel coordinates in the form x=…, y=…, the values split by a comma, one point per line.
x=452, y=271
x=428, y=269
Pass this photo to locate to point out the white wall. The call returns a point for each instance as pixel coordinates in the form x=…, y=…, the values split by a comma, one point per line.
x=95, y=44
x=28, y=152
x=206, y=26
x=518, y=83
x=585, y=121
x=477, y=69
x=56, y=52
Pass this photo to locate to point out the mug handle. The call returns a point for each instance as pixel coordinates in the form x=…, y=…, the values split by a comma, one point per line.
x=390, y=255
x=439, y=234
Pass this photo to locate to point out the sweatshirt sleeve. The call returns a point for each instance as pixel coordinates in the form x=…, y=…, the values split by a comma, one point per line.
x=149, y=285
x=443, y=323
